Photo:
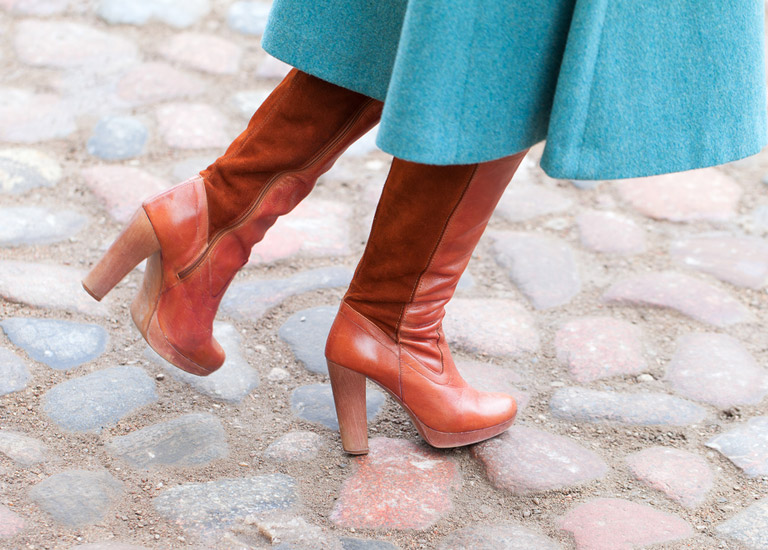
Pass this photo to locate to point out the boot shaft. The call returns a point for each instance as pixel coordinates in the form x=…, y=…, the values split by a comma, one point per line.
x=427, y=224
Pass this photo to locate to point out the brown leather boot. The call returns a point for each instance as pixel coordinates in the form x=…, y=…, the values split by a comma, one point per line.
x=389, y=325
x=198, y=234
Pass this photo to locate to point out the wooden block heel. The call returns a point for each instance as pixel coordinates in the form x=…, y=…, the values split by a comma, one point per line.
x=135, y=243
x=349, y=397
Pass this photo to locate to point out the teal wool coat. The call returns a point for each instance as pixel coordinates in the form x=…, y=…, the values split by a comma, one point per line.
x=618, y=88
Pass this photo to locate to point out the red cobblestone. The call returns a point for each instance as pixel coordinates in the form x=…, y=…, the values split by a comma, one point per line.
x=399, y=485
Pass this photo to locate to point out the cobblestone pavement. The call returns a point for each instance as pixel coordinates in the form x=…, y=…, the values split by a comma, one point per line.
x=626, y=317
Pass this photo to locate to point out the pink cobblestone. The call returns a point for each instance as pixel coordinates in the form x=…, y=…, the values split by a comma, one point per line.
x=315, y=228
x=610, y=233
x=122, y=189
x=682, y=476
x=10, y=523
x=688, y=295
x=399, y=485
x=204, y=52
x=716, y=369
x=68, y=45
x=707, y=194
x=742, y=261
x=153, y=82
x=525, y=460
x=599, y=347
x=616, y=524
x=501, y=328
x=27, y=117
x=192, y=126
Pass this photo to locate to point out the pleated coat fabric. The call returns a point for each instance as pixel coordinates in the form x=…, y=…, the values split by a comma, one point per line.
x=617, y=88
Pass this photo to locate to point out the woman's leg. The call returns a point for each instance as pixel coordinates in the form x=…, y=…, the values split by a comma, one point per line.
x=198, y=234
x=389, y=325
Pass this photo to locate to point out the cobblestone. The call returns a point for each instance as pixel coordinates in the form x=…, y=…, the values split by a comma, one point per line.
x=251, y=300
x=40, y=8
x=203, y=52
x=682, y=476
x=746, y=445
x=59, y=344
x=23, y=450
x=314, y=403
x=214, y=505
x=189, y=440
x=543, y=268
x=96, y=400
x=154, y=82
x=742, y=261
x=315, y=228
x=295, y=447
x=399, y=485
x=707, y=194
x=504, y=536
x=306, y=332
x=526, y=201
x=616, y=524
x=22, y=169
x=248, y=17
x=46, y=286
x=502, y=328
x=11, y=523
x=27, y=117
x=177, y=13
x=585, y=405
x=526, y=460
x=688, y=295
x=192, y=126
x=749, y=527
x=117, y=138
x=716, y=369
x=234, y=380
x=77, y=497
x=121, y=201
x=30, y=225
x=14, y=374
x=610, y=233
x=63, y=44
x=599, y=347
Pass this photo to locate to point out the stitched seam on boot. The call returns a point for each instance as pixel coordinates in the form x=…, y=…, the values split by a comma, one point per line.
x=342, y=132
x=419, y=280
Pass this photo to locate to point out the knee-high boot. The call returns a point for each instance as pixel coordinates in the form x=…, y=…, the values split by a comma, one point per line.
x=198, y=234
x=389, y=326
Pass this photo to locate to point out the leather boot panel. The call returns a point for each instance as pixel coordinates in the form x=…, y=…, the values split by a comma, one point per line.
x=356, y=343
x=415, y=203
x=179, y=219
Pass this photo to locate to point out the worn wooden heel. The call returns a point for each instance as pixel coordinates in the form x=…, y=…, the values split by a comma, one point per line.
x=136, y=242
x=349, y=397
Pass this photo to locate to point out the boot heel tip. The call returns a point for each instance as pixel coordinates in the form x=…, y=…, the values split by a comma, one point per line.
x=358, y=452
x=90, y=293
